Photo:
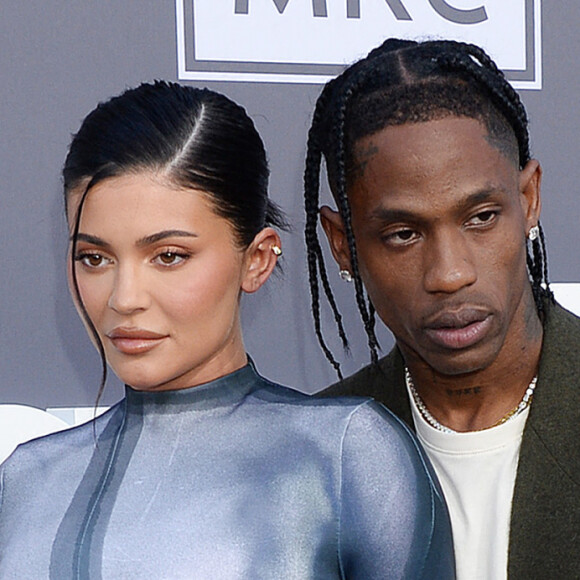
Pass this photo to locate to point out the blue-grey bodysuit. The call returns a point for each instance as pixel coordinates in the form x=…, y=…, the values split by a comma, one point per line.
x=235, y=479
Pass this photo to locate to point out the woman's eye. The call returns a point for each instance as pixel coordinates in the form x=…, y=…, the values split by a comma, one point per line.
x=170, y=258
x=92, y=260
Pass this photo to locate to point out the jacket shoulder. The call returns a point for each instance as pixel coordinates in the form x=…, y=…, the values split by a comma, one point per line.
x=383, y=381
x=562, y=335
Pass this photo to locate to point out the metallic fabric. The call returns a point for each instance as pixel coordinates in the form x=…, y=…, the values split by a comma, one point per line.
x=238, y=478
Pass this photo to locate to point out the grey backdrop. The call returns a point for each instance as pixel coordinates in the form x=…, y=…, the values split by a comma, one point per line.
x=59, y=58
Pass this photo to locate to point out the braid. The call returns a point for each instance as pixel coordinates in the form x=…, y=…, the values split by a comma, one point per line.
x=367, y=314
x=538, y=268
x=315, y=257
x=479, y=67
x=404, y=81
x=543, y=259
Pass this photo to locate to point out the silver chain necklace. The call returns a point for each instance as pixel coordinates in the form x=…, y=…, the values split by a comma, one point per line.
x=512, y=414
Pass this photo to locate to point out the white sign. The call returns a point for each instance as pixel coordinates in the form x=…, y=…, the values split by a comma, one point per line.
x=568, y=295
x=20, y=423
x=310, y=41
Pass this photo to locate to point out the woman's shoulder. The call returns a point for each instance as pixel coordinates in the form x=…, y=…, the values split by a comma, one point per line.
x=363, y=426
x=349, y=414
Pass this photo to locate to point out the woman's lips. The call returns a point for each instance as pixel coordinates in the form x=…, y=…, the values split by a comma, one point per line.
x=134, y=341
x=459, y=330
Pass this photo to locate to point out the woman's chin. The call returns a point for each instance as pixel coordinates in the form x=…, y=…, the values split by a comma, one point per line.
x=138, y=382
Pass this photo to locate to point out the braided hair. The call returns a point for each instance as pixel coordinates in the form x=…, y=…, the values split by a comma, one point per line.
x=404, y=81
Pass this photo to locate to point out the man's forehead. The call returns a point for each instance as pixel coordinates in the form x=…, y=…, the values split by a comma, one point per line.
x=450, y=164
x=407, y=147
x=497, y=134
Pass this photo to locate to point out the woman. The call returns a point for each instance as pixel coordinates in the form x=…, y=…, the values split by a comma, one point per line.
x=205, y=469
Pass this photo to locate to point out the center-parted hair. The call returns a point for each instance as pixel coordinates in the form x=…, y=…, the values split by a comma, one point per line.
x=192, y=138
x=404, y=81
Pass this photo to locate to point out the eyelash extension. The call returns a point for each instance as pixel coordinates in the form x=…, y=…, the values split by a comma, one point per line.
x=80, y=258
x=182, y=255
x=81, y=255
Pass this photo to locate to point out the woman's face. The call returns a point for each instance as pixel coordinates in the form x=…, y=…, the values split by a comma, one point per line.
x=160, y=275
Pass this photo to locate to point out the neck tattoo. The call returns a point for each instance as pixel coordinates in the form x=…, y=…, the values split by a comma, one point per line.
x=511, y=414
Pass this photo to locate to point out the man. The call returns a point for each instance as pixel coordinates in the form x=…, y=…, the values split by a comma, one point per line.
x=427, y=154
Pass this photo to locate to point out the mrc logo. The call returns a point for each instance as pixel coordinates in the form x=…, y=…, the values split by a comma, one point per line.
x=310, y=41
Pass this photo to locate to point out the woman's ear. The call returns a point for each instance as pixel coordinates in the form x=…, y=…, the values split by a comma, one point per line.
x=334, y=230
x=261, y=258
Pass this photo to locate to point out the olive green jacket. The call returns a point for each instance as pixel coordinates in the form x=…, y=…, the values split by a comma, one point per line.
x=545, y=522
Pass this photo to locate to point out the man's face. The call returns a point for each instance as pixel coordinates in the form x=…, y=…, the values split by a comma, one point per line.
x=440, y=217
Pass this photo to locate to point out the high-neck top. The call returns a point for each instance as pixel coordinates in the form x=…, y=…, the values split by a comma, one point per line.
x=237, y=478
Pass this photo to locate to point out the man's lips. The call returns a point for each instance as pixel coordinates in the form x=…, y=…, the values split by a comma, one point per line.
x=457, y=330
x=134, y=340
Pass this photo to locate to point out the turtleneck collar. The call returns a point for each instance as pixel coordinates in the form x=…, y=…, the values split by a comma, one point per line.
x=224, y=391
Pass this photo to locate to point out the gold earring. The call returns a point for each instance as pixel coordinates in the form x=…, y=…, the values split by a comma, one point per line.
x=277, y=250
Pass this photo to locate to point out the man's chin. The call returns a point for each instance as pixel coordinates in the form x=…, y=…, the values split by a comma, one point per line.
x=453, y=362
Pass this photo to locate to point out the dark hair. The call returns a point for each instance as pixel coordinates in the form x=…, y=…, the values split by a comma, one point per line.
x=404, y=81
x=195, y=138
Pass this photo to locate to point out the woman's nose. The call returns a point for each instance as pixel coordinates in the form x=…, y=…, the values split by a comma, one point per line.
x=129, y=292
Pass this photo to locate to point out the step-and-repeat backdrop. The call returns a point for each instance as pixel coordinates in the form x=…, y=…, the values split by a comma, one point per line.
x=59, y=58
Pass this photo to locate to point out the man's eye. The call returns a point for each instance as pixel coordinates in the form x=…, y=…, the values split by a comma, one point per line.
x=400, y=237
x=405, y=235
x=483, y=217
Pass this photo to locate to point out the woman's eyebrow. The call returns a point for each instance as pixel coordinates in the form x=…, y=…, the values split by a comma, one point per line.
x=145, y=241
x=153, y=238
x=90, y=239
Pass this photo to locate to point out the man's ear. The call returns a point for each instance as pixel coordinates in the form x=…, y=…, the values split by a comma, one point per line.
x=261, y=258
x=530, y=198
x=334, y=230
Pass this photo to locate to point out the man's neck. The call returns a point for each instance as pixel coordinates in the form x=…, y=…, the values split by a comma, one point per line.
x=481, y=399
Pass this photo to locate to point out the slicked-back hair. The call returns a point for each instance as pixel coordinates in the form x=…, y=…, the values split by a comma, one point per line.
x=193, y=138
x=400, y=82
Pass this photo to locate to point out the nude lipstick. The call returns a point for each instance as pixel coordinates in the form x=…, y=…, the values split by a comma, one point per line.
x=133, y=341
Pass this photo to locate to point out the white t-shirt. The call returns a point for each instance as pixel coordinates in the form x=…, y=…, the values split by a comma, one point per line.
x=477, y=471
